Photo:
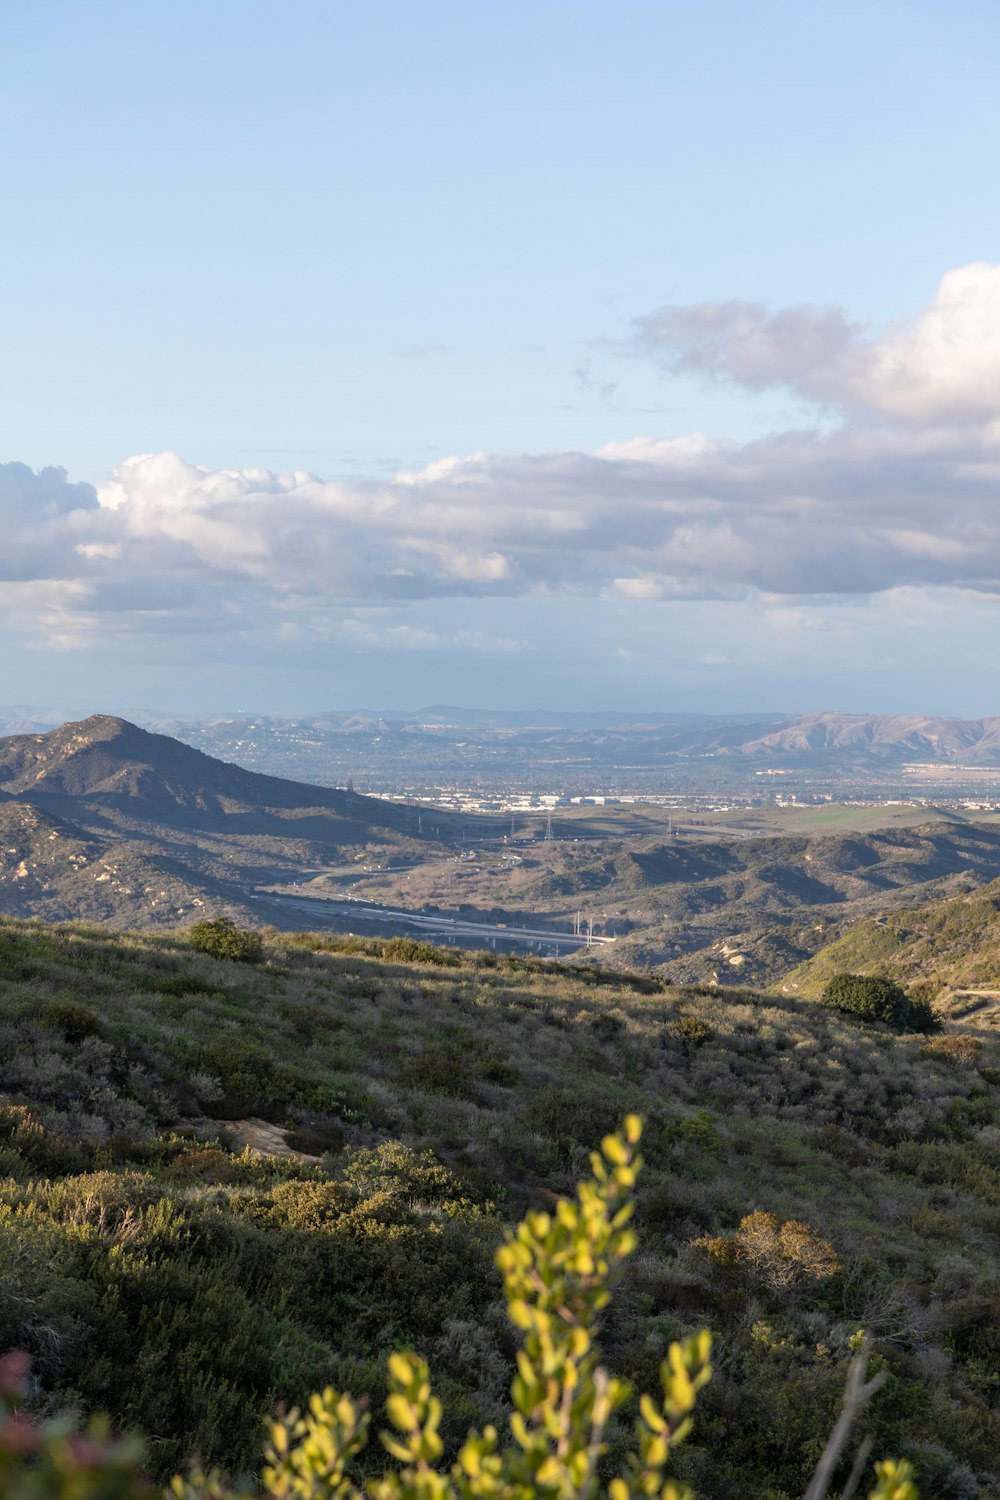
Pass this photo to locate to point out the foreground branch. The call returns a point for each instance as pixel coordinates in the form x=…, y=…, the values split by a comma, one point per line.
x=857, y=1395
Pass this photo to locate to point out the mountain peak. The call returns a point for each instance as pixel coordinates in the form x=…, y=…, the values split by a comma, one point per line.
x=110, y=761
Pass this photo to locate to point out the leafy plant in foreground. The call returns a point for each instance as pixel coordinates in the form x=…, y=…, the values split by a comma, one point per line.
x=557, y=1269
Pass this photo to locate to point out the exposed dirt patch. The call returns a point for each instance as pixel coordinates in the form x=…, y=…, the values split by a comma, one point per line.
x=269, y=1140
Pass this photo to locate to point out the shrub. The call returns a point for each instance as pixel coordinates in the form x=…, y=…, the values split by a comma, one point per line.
x=439, y=1070
x=961, y=1050
x=773, y=1255
x=921, y=1015
x=412, y=951
x=316, y=1137
x=223, y=939
x=75, y=1022
x=496, y=1068
x=557, y=1271
x=691, y=1031
x=869, y=996
x=607, y=1028
x=568, y=1116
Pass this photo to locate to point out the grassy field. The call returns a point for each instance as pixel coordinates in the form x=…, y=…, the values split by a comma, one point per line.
x=834, y=817
x=805, y=1178
x=646, y=821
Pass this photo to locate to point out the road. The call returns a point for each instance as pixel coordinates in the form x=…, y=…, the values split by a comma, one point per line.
x=425, y=922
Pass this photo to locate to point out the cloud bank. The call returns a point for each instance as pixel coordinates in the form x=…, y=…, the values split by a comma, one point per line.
x=904, y=492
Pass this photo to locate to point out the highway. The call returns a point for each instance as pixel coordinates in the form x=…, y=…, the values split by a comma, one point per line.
x=430, y=925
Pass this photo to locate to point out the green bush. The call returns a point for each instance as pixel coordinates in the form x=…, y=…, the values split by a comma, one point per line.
x=75, y=1022
x=223, y=939
x=691, y=1031
x=920, y=1016
x=411, y=951
x=607, y=1028
x=869, y=996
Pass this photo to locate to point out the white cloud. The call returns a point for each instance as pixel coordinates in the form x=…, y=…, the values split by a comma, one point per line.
x=942, y=367
x=883, y=502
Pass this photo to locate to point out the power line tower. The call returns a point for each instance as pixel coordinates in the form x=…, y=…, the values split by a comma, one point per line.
x=548, y=828
x=350, y=781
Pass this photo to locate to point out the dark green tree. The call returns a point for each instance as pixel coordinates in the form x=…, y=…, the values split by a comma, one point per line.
x=223, y=939
x=870, y=996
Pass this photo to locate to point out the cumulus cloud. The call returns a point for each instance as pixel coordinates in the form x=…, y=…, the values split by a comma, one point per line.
x=941, y=367
x=41, y=516
x=904, y=493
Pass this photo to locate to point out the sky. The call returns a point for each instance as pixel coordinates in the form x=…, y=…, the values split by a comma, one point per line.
x=549, y=354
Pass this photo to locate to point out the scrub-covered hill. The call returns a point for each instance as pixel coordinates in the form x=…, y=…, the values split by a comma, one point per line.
x=805, y=1178
x=104, y=821
x=749, y=911
x=947, y=945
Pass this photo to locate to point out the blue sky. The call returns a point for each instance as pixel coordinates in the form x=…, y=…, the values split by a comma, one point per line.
x=520, y=254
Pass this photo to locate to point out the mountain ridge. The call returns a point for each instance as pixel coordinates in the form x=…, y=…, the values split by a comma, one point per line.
x=103, y=820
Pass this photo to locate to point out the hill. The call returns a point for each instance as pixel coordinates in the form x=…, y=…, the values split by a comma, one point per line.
x=950, y=945
x=115, y=764
x=748, y=910
x=851, y=739
x=805, y=1177
x=105, y=821
x=101, y=819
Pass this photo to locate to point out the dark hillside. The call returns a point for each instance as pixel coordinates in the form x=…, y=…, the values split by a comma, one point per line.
x=109, y=822
x=805, y=1178
x=109, y=762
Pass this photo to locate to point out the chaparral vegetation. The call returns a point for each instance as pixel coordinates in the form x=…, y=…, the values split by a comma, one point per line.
x=228, y=1185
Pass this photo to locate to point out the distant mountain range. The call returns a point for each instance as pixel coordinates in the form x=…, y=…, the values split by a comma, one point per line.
x=586, y=751
x=881, y=738
x=103, y=820
x=591, y=752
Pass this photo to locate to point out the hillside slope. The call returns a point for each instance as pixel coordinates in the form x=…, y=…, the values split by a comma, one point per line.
x=878, y=739
x=421, y=1101
x=111, y=763
x=102, y=820
x=748, y=911
x=948, y=945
